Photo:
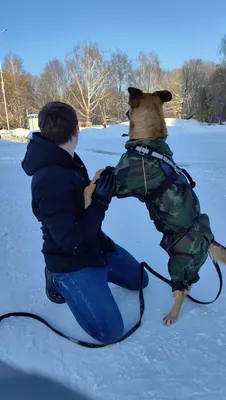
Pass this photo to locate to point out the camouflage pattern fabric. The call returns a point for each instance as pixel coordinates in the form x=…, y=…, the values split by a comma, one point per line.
x=176, y=212
x=188, y=252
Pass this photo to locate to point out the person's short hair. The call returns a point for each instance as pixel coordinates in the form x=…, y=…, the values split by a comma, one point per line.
x=57, y=122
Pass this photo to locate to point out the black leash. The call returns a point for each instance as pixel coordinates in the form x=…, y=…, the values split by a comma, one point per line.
x=82, y=343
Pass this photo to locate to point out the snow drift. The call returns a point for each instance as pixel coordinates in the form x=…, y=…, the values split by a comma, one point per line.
x=182, y=123
x=20, y=133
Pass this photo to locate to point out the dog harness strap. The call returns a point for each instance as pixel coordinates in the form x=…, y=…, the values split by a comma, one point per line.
x=188, y=176
x=148, y=152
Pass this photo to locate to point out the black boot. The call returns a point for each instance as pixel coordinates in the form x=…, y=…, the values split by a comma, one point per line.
x=51, y=291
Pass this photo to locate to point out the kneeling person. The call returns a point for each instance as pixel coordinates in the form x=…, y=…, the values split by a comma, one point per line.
x=80, y=259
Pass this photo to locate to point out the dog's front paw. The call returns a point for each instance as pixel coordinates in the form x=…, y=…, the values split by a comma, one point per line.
x=88, y=192
x=169, y=319
x=97, y=175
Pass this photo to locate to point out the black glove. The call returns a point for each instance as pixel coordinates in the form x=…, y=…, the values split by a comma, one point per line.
x=108, y=171
x=105, y=188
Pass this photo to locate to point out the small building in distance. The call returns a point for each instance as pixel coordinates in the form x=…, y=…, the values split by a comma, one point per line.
x=33, y=121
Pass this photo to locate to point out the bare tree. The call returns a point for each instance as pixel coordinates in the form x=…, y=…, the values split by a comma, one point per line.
x=148, y=73
x=17, y=90
x=218, y=94
x=108, y=110
x=172, y=81
x=50, y=85
x=205, y=104
x=97, y=87
x=222, y=49
x=195, y=75
x=87, y=76
x=188, y=85
x=121, y=75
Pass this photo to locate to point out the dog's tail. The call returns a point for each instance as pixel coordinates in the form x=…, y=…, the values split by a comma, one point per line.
x=218, y=252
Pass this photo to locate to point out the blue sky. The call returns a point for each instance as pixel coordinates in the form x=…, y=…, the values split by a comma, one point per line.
x=177, y=30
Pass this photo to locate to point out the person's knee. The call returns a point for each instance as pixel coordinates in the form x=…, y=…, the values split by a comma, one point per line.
x=136, y=284
x=145, y=280
x=112, y=336
x=110, y=333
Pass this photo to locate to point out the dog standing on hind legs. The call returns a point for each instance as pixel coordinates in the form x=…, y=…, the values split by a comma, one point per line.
x=148, y=172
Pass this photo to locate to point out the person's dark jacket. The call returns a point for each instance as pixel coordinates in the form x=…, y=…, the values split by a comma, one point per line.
x=72, y=235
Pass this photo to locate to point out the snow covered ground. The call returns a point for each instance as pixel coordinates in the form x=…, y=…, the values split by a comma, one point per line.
x=185, y=361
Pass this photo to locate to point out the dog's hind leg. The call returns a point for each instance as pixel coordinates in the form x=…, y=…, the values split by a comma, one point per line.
x=171, y=318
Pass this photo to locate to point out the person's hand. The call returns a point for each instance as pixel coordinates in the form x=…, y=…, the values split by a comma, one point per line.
x=89, y=190
x=105, y=188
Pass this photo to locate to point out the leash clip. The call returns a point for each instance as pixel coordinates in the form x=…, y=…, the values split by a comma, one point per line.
x=142, y=150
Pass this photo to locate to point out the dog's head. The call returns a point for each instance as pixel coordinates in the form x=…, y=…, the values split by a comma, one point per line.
x=146, y=113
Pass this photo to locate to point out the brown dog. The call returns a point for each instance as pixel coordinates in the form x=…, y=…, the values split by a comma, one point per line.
x=147, y=124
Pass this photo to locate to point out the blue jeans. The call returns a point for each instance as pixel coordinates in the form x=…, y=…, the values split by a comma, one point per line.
x=90, y=299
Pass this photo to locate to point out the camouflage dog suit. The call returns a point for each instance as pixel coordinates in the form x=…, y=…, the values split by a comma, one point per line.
x=176, y=213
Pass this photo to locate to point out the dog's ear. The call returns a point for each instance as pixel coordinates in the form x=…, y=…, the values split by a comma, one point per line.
x=134, y=93
x=164, y=95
